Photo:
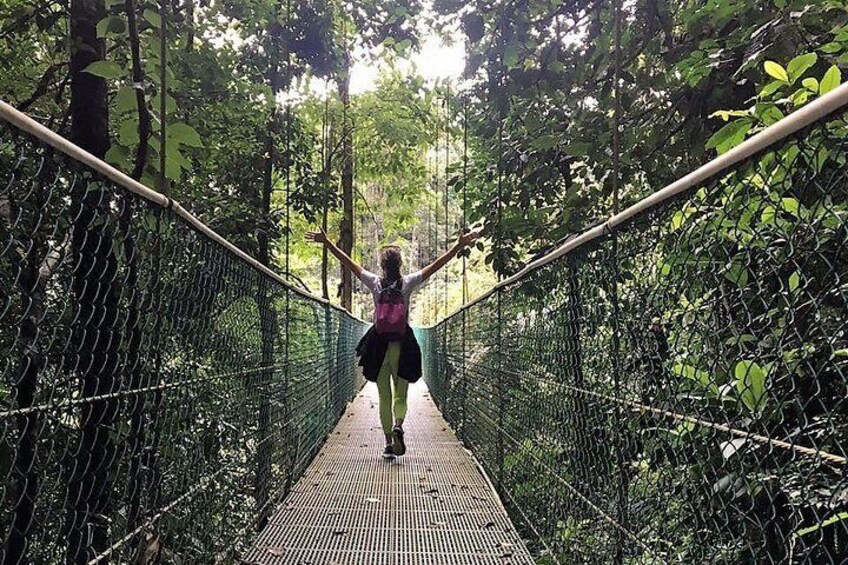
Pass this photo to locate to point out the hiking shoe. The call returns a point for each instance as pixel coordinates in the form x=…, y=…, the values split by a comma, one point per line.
x=388, y=452
x=398, y=447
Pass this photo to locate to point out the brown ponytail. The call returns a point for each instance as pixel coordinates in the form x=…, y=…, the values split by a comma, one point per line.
x=390, y=261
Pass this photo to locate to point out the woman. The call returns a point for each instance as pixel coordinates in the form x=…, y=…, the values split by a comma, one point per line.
x=389, y=353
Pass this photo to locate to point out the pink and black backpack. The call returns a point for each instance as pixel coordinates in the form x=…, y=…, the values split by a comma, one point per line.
x=390, y=313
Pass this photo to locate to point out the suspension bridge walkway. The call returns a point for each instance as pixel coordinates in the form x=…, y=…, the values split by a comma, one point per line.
x=433, y=506
x=667, y=387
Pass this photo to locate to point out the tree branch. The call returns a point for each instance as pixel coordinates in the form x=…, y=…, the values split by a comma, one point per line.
x=144, y=122
x=43, y=86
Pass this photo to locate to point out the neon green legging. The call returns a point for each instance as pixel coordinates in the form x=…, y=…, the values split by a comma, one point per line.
x=386, y=380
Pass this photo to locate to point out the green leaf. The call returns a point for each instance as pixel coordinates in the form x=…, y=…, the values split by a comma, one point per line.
x=811, y=83
x=791, y=205
x=800, y=97
x=831, y=79
x=769, y=113
x=173, y=163
x=776, y=71
x=511, y=55
x=677, y=220
x=831, y=48
x=104, y=69
x=544, y=142
x=794, y=281
x=693, y=373
x=727, y=114
x=125, y=100
x=768, y=215
x=117, y=156
x=403, y=46
x=751, y=384
x=771, y=88
x=111, y=25
x=128, y=133
x=153, y=18
x=184, y=134
x=577, y=149
x=737, y=273
x=730, y=135
x=170, y=104
x=799, y=65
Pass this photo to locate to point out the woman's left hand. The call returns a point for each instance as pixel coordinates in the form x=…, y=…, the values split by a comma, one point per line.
x=317, y=236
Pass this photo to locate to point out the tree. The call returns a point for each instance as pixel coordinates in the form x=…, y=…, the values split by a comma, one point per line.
x=93, y=356
x=543, y=97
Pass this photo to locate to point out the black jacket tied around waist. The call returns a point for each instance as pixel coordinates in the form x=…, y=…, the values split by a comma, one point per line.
x=372, y=351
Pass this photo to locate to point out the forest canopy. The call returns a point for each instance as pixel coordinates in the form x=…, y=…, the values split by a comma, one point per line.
x=264, y=138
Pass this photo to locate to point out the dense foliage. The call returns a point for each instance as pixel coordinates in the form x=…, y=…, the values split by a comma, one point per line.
x=568, y=111
x=543, y=76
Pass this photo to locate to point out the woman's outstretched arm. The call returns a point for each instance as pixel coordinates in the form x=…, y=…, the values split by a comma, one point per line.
x=321, y=237
x=464, y=241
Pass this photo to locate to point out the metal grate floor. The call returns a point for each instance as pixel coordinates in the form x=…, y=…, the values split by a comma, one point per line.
x=432, y=506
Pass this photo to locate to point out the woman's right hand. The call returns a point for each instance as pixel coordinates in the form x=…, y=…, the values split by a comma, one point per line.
x=319, y=236
x=468, y=239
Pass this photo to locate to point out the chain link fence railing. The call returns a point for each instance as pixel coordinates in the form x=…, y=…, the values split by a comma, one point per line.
x=160, y=393
x=674, y=389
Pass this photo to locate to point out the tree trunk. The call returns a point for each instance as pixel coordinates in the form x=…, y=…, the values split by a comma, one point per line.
x=24, y=476
x=95, y=334
x=347, y=236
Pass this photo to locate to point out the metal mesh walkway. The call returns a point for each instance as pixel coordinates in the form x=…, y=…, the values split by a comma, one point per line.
x=430, y=507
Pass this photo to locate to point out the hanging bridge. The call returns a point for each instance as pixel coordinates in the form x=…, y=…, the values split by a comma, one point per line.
x=667, y=387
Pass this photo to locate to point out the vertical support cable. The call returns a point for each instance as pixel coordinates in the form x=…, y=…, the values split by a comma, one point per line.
x=436, y=247
x=446, y=324
x=499, y=294
x=621, y=486
x=287, y=317
x=446, y=194
x=464, y=389
x=150, y=460
x=288, y=146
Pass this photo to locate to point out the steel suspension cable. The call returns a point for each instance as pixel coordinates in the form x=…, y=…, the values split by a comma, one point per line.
x=446, y=195
x=621, y=504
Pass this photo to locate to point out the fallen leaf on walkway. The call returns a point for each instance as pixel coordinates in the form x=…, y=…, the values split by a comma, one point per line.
x=506, y=549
